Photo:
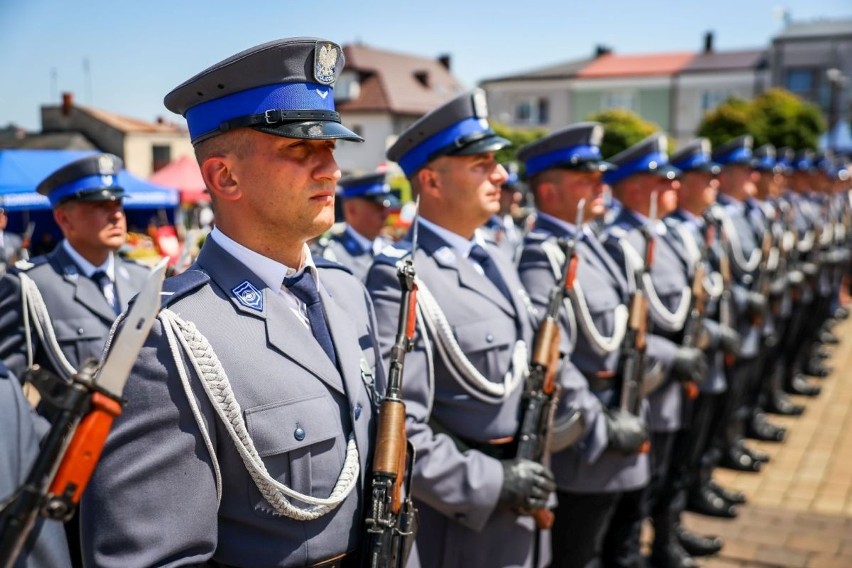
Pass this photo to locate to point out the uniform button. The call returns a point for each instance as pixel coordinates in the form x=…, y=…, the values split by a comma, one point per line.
x=357, y=411
x=299, y=434
x=79, y=331
x=489, y=338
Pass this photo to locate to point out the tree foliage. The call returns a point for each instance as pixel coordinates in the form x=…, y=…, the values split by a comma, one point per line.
x=622, y=129
x=519, y=138
x=776, y=117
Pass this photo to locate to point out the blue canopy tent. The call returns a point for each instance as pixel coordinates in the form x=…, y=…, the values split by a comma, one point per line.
x=22, y=170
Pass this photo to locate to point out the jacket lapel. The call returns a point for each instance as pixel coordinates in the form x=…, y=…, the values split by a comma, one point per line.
x=86, y=292
x=284, y=331
x=448, y=259
x=124, y=286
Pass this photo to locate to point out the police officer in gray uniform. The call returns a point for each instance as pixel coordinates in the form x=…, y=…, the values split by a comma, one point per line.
x=564, y=168
x=366, y=202
x=248, y=430
x=20, y=431
x=643, y=172
x=70, y=297
x=11, y=244
x=737, y=183
x=464, y=377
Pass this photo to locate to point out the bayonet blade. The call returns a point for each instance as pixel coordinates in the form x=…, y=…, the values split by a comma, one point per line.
x=115, y=370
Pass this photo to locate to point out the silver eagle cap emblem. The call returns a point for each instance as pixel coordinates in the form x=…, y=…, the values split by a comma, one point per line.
x=325, y=62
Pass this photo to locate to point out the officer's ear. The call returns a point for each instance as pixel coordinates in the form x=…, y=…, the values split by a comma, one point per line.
x=220, y=178
x=428, y=181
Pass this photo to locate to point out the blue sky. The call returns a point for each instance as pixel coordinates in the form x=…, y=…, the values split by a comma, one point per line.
x=138, y=50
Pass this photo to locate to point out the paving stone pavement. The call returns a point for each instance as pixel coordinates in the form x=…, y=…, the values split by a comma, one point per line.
x=799, y=513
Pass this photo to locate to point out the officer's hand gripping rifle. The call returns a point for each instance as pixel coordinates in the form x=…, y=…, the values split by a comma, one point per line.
x=87, y=407
x=632, y=356
x=391, y=523
x=541, y=392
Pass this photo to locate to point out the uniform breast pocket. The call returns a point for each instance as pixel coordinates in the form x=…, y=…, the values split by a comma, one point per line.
x=79, y=338
x=488, y=344
x=301, y=444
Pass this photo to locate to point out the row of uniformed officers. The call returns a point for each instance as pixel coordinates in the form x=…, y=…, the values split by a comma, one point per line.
x=248, y=432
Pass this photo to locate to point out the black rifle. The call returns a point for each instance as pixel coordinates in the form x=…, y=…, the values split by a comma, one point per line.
x=727, y=317
x=541, y=391
x=697, y=307
x=391, y=523
x=86, y=409
x=632, y=356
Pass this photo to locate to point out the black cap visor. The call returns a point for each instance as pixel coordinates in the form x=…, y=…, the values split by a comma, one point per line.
x=666, y=171
x=311, y=130
x=93, y=195
x=386, y=200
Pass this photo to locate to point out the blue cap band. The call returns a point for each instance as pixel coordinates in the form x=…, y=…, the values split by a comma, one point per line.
x=206, y=117
x=83, y=184
x=739, y=155
x=636, y=166
x=561, y=156
x=418, y=156
x=693, y=162
x=367, y=189
x=765, y=163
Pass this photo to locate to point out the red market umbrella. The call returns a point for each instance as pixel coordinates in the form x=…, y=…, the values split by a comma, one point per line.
x=183, y=174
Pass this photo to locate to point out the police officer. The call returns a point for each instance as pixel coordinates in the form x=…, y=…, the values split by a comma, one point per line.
x=592, y=475
x=70, y=297
x=742, y=226
x=11, y=244
x=248, y=431
x=20, y=431
x=693, y=460
x=367, y=200
x=464, y=377
x=644, y=175
x=502, y=228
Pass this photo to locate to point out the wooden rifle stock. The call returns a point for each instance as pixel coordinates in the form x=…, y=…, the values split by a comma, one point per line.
x=391, y=519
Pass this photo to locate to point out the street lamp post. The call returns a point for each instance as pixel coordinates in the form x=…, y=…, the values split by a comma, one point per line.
x=836, y=81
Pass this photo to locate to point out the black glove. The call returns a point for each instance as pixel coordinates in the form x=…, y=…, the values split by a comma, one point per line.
x=526, y=484
x=755, y=304
x=690, y=364
x=729, y=340
x=626, y=432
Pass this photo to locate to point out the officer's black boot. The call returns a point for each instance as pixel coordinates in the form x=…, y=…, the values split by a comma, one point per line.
x=696, y=544
x=671, y=555
x=705, y=501
x=759, y=428
x=798, y=384
x=730, y=495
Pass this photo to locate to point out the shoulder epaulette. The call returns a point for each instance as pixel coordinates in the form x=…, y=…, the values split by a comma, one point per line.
x=24, y=265
x=322, y=262
x=179, y=286
x=391, y=254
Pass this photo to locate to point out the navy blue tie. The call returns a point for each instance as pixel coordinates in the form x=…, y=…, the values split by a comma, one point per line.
x=483, y=259
x=102, y=280
x=304, y=287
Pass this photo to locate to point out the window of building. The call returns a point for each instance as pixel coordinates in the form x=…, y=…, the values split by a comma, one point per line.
x=619, y=99
x=532, y=111
x=160, y=156
x=712, y=99
x=347, y=87
x=801, y=81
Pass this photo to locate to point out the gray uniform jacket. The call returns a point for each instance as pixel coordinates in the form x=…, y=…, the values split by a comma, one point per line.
x=744, y=279
x=153, y=501
x=669, y=277
x=79, y=311
x=10, y=251
x=509, y=238
x=586, y=467
x=683, y=226
x=457, y=491
x=20, y=431
x=343, y=248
